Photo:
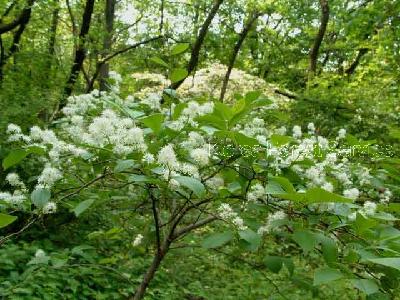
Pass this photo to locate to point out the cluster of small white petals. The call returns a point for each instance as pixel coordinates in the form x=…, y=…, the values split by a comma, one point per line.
x=369, y=208
x=40, y=253
x=215, y=183
x=14, y=199
x=352, y=193
x=81, y=104
x=226, y=213
x=110, y=129
x=256, y=192
x=385, y=196
x=297, y=132
x=341, y=134
x=194, y=140
x=48, y=177
x=138, y=240
x=271, y=220
x=148, y=158
x=50, y=208
x=167, y=157
x=152, y=100
x=311, y=128
x=200, y=156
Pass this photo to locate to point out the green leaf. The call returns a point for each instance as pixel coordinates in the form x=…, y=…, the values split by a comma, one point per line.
x=273, y=263
x=306, y=240
x=40, y=197
x=318, y=195
x=154, y=122
x=393, y=262
x=252, y=96
x=279, y=140
x=6, y=220
x=81, y=207
x=178, y=75
x=140, y=178
x=329, y=249
x=159, y=61
x=217, y=240
x=326, y=275
x=179, y=48
x=284, y=183
x=213, y=120
x=367, y=286
x=251, y=237
x=123, y=165
x=13, y=158
x=193, y=184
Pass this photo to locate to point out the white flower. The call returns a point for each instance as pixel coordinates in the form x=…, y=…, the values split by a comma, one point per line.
x=167, y=157
x=13, y=129
x=226, y=213
x=281, y=131
x=297, y=132
x=328, y=187
x=200, y=156
x=369, y=208
x=311, y=128
x=214, y=183
x=271, y=222
x=13, y=179
x=256, y=192
x=148, y=158
x=138, y=240
x=351, y=193
x=49, y=176
x=40, y=253
x=50, y=208
x=385, y=197
x=341, y=134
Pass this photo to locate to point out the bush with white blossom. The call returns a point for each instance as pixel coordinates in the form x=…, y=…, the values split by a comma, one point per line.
x=192, y=164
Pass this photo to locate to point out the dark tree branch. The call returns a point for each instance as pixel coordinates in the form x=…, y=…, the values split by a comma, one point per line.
x=242, y=36
x=351, y=69
x=320, y=36
x=25, y=14
x=80, y=51
x=107, y=42
x=194, y=57
x=111, y=56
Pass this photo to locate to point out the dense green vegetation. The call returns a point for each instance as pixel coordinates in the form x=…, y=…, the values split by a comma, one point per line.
x=225, y=149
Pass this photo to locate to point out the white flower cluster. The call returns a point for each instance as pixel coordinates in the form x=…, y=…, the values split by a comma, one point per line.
x=193, y=110
x=138, y=240
x=110, y=129
x=256, y=192
x=272, y=221
x=226, y=213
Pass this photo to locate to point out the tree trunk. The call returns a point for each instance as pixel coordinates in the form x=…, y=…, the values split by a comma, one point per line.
x=151, y=271
x=53, y=30
x=80, y=51
x=351, y=69
x=194, y=57
x=320, y=36
x=107, y=42
x=236, y=49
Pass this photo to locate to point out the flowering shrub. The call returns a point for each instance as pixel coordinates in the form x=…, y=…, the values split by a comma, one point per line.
x=186, y=165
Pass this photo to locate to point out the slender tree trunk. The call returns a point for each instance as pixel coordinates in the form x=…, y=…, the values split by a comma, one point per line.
x=352, y=68
x=151, y=271
x=242, y=36
x=53, y=30
x=23, y=21
x=194, y=57
x=107, y=42
x=319, y=38
x=80, y=51
x=25, y=14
